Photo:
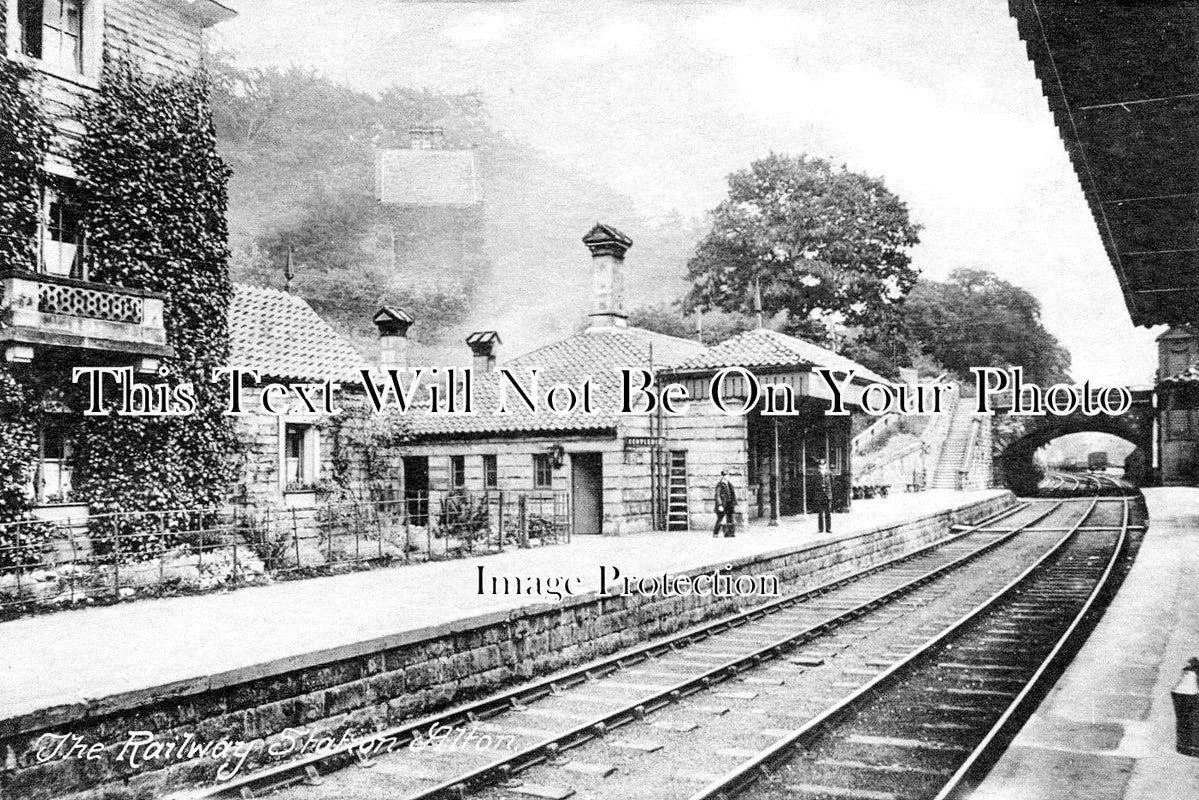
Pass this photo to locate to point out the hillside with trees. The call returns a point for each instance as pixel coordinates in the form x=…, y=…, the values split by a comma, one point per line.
x=303, y=153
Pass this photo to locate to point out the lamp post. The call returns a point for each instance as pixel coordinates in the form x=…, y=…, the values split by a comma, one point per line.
x=803, y=473
x=774, y=477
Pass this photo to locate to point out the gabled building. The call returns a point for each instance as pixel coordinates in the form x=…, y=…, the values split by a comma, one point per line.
x=287, y=457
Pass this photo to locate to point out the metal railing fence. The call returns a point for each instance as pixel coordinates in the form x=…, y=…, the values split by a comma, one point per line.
x=101, y=557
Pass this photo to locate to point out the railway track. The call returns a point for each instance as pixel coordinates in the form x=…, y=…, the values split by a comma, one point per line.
x=802, y=654
x=1086, y=484
x=931, y=725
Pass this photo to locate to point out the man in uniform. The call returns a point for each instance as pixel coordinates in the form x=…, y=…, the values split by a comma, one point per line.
x=726, y=504
x=824, y=496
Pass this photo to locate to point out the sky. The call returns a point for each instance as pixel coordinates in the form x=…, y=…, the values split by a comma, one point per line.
x=662, y=99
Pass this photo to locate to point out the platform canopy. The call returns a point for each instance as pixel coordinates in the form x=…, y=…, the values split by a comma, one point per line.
x=1122, y=80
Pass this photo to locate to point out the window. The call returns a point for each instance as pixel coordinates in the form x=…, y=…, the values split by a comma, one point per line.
x=1179, y=356
x=835, y=461
x=543, y=471
x=491, y=472
x=54, y=467
x=52, y=31
x=62, y=240
x=1179, y=424
x=299, y=457
x=457, y=472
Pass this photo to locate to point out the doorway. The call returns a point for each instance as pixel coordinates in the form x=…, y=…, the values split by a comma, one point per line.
x=416, y=489
x=587, y=492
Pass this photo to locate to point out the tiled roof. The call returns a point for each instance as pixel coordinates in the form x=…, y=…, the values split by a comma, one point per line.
x=596, y=353
x=428, y=178
x=281, y=337
x=763, y=349
x=208, y=12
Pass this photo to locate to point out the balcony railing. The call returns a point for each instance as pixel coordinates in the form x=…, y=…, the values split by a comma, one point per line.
x=78, y=301
x=40, y=310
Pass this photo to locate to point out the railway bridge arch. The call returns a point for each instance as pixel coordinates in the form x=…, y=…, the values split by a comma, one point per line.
x=1017, y=438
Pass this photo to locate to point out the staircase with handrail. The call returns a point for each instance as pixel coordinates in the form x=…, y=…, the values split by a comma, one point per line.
x=961, y=463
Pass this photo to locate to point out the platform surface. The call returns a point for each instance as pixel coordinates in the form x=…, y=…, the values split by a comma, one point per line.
x=89, y=654
x=1106, y=729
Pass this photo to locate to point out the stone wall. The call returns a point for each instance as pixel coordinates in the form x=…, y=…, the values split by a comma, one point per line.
x=372, y=685
x=713, y=442
x=626, y=472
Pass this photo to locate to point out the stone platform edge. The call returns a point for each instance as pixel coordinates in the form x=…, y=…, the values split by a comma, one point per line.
x=370, y=684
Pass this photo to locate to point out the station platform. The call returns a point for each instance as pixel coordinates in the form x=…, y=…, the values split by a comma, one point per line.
x=1106, y=730
x=80, y=663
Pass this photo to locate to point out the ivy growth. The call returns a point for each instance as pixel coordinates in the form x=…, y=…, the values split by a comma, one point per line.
x=155, y=194
x=365, y=453
x=24, y=142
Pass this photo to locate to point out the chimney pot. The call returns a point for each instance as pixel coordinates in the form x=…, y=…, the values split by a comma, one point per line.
x=483, y=345
x=393, y=323
x=608, y=247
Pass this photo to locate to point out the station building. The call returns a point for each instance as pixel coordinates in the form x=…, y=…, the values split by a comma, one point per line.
x=623, y=473
x=609, y=470
x=778, y=450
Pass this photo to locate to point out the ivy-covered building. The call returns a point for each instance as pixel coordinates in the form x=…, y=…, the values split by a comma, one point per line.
x=112, y=251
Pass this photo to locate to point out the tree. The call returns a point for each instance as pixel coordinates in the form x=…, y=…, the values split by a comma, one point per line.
x=668, y=318
x=976, y=319
x=826, y=245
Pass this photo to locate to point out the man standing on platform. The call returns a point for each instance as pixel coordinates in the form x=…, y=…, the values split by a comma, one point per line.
x=726, y=504
x=824, y=496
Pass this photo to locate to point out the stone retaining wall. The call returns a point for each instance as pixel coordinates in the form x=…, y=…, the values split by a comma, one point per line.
x=382, y=683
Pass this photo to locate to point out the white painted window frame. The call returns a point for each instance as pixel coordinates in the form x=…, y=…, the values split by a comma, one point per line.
x=93, y=44
x=311, y=453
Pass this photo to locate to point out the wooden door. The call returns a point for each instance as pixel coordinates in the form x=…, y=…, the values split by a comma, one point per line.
x=587, y=492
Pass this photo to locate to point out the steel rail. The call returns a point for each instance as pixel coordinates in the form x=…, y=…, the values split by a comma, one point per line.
x=760, y=765
x=305, y=768
x=506, y=768
x=971, y=767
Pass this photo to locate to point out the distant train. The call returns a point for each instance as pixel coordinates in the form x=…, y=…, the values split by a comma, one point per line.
x=1097, y=461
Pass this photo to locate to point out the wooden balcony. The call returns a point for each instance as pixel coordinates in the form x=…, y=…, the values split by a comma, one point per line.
x=40, y=312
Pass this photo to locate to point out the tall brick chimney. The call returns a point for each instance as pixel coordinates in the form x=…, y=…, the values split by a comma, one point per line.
x=483, y=345
x=607, y=246
x=393, y=323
